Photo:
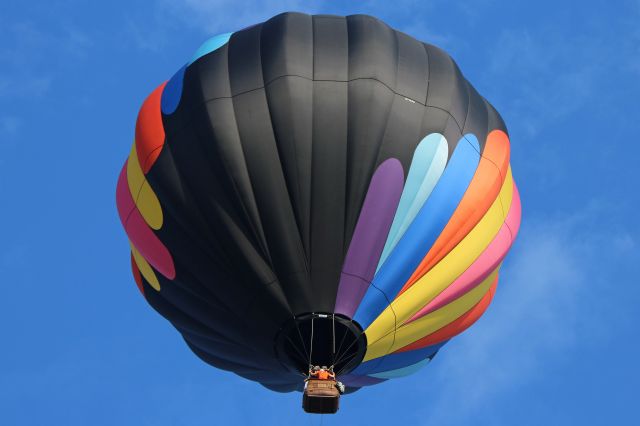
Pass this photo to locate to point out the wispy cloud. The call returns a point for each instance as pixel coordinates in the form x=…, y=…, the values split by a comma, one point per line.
x=26, y=69
x=548, y=72
x=152, y=39
x=214, y=16
x=33, y=58
x=550, y=288
x=165, y=19
x=546, y=78
x=28, y=85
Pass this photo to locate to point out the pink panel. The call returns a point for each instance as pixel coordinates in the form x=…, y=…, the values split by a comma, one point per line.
x=139, y=232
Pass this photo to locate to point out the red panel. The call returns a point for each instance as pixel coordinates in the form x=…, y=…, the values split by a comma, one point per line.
x=149, y=130
x=458, y=326
x=136, y=274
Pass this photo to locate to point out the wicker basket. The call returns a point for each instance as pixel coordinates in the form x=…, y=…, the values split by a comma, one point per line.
x=321, y=396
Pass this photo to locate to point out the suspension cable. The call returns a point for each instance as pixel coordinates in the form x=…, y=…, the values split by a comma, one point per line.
x=333, y=350
x=304, y=346
x=311, y=346
x=334, y=333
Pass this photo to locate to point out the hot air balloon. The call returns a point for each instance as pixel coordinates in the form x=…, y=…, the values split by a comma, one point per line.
x=318, y=190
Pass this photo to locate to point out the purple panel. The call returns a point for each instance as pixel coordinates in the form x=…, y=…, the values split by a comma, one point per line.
x=359, y=381
x=370, y=235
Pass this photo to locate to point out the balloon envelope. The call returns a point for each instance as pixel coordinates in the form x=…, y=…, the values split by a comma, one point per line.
x=318, y=190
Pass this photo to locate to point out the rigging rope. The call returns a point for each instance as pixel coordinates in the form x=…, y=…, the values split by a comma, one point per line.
x=311, y=350
x=334, y=333
x=295, y=321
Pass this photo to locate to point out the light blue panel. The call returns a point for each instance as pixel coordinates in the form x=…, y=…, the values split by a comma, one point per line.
x=427, y=165
x=402, y=372
x=359, y=381
x=422, y=232
x=210, y=45
x=396, y=361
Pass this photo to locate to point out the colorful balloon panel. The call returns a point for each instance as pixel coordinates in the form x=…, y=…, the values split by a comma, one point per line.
x=318, y=189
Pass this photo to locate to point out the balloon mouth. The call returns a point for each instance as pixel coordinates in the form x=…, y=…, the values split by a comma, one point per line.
x=321, y=339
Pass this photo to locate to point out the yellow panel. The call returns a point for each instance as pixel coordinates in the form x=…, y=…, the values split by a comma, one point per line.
x=430, y=323
x=448, y=269
x=144, y=197
x=145, y=268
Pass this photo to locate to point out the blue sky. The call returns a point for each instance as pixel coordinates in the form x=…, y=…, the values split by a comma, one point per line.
x=558, y=344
